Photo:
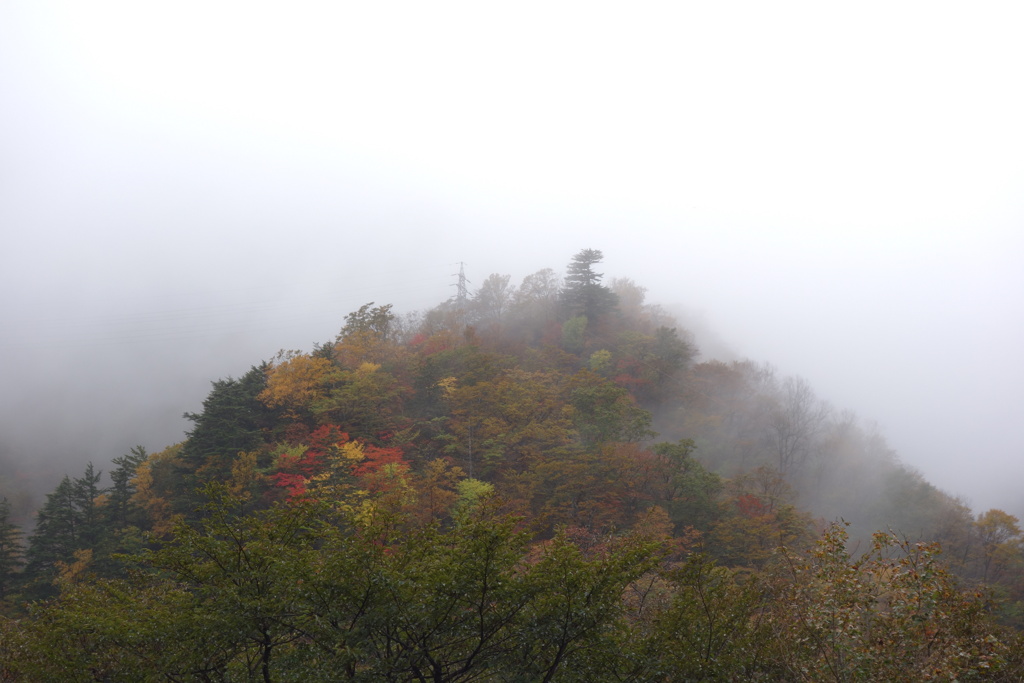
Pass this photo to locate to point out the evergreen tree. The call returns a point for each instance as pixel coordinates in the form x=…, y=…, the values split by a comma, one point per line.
x=583, y=293
x=85, y=492
x=232, y=421
x=11, y=550
x=55, y=536
x=70, y=520
x=120, y=511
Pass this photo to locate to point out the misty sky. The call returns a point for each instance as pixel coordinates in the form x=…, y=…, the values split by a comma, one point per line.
x=186, y=188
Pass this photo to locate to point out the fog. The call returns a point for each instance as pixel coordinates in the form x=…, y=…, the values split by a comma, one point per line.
x=186, y=189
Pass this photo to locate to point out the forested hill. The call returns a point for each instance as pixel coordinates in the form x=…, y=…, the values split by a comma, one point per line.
x=532, y=482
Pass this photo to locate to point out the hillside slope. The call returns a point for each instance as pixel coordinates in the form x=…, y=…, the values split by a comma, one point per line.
x=561, y=428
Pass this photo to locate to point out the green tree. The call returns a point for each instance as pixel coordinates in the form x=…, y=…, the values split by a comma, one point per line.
x=120, y=509
x=124, y=631
x=574, y=333
x=365, y=401
x=582, y=291
x=70, y=520
x=245, y=573
x=714, y=628
x=450, y=603
x=232, y=421
x=604, y=411
x=693, y=491
x=298, y=592
x=650, y=365
x=508, y=421
x=573, y=630
x=11, y=549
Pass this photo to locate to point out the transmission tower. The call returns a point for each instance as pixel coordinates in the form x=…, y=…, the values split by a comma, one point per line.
x=462, y=292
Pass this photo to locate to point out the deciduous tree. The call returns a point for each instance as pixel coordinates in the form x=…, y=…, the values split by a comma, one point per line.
x=893, y=614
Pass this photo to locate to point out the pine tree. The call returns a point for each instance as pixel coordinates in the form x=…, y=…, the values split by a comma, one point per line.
x=55, y=537
x=231, y=421
x=11, y=550
x=85, y=494
x=119, y=508
x=583, y=293
x=70, y=520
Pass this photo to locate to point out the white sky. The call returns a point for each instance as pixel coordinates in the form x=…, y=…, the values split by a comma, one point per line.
x=186, y=187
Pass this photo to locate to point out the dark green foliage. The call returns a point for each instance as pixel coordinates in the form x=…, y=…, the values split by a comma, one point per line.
x=119, y=510
x=11, y=550
x=582, y=291
x=606, y=412
x=662, y=360
x=693, y=490
x=232, y=420
x=323, y=350
x=715, y=627
x=308, y=593
x=70, y=520
x=303, y=593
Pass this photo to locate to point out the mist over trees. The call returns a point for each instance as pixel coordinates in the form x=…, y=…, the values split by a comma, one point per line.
x=582, y=293
x=532, y=481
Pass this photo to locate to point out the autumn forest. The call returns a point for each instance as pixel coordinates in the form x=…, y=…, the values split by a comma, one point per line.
x=542, y=481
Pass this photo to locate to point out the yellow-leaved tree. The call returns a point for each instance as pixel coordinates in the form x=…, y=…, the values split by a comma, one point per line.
x=296, y=382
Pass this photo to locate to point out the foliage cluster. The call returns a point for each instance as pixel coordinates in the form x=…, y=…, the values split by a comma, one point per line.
x=476, y=493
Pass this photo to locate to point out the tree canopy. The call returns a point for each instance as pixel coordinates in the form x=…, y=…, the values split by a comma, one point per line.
x=533, y=484
x=582, y=291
